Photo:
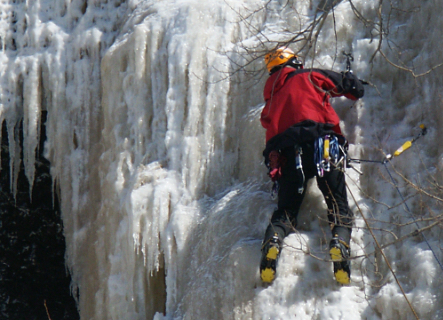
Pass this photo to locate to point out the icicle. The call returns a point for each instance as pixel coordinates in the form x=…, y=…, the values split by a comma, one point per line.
x=31, y=119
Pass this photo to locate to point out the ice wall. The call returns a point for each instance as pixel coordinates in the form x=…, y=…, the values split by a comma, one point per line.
x=155, y=146
x=182, y=145
x=50, y=60
x=172, y=127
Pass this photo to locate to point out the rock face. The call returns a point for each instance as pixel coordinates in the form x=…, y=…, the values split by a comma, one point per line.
x=35, y=282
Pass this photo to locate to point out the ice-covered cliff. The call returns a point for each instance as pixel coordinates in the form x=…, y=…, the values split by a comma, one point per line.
x=155, y=149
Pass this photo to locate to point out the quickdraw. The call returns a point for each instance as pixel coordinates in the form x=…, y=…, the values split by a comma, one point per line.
x=299, y=167
x=328, y=151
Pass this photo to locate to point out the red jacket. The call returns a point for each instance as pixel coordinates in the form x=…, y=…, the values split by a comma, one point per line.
x=293, y=96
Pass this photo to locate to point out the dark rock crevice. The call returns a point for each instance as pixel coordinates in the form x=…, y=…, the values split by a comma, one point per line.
x=34, y=281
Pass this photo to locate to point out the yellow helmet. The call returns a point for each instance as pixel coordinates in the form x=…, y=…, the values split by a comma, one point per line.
x=279, y=57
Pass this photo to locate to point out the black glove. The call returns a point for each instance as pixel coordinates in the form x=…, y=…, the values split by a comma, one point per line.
x=351, y=84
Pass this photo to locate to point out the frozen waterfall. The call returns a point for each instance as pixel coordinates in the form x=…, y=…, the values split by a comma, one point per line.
x=155, y=146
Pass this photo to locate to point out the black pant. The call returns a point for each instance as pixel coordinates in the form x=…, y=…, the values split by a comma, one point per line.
x=332, y=185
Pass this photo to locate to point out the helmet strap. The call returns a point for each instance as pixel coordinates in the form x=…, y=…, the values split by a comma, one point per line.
x=294, y=63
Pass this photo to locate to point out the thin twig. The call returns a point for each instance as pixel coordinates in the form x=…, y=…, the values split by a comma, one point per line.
x=383, y=254
x=47, y=311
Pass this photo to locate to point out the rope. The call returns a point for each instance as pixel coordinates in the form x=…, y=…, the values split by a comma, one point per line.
x=383, y=254
x=384, y=162
x=413, y=218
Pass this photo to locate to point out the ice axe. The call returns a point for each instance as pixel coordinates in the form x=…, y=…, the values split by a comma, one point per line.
x=349, y=59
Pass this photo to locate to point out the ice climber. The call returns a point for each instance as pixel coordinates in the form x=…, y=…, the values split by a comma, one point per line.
x=304, y=140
